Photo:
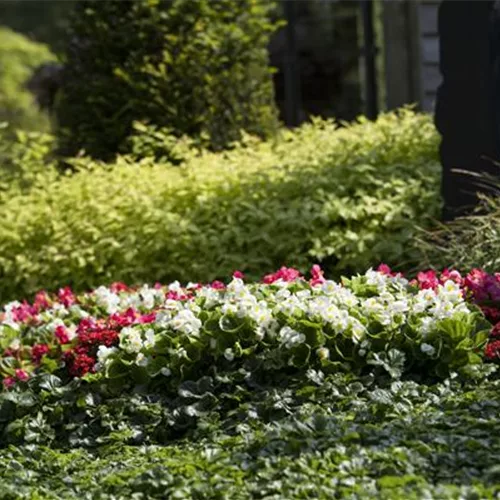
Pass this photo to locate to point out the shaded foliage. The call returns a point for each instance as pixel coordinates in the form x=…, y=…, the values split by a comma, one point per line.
x=195, y=66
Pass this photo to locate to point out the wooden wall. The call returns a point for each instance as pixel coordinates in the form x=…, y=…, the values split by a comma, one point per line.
x=411, y=52
x=430, y=77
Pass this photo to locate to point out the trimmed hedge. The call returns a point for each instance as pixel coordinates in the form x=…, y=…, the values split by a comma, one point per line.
x=347, y=197
x=198, y=67
x=19, y=57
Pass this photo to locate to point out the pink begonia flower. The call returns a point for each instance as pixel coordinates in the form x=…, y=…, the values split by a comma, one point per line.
x=217, y=285
x=23, y=312
x=453, y=275
x=38, y=351
x=22, y=375
x=147, y=318
x=317, y=277
x=384, y=269
x=174, y=295
x=239, y=275
x=62, y=334
x=66, y=296
x=427, y=279
x=284, y=274
x=42, y=301
x=118, y=287
x=8, y=382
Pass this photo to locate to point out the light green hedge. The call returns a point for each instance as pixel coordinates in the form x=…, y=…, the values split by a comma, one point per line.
x=348, y=198
x=19, y=57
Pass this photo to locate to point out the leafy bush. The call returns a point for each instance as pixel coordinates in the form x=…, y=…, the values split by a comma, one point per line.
x=348, y=197
x=197, y=67
x=19, y=57
x=26, y=160
x=42, y=21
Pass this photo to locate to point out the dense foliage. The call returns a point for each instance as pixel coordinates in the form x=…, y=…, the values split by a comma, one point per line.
x=347, y=197
x=197, y=67
x=26, y=161
x=332, y=437
x=43, y=21
x=19, y=57
x=253, y=390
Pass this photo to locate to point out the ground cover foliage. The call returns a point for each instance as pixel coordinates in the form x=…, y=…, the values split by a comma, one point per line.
x=292, y=388
x=347, y=197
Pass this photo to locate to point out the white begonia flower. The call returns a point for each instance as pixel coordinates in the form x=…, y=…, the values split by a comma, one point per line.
x=148, y=296
x=236, y=286
x=399, y=280
x=290, y=306
x=211, y=296
x=442, y=309
x=260, y=314
x=133, y=300
x=291, y=337
x=106, y=299
x=175, y=287
x=78, y=311
x=282, y=294
x=149, y=341
x=399, y=306
x=10, y=323
x=59, y=310
x=142, y=360
x=130, y=340
x=450, y=291
x=186, y=322
x=375, y=278
x=15, y=344
x=426, y=324
x=166, y=372
x=329, y=287
x=372, y=306
x=229, y=354
x=104, y=353
x=358, y=330
x=323, y=353
x=9, y=315
x=427, y=349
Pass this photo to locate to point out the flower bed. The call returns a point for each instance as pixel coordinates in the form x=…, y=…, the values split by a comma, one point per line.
x=165, y=335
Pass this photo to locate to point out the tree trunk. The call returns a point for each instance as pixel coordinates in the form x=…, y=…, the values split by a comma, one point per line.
x=465, y=108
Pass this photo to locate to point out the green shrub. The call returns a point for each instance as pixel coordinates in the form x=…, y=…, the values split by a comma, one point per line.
x=348, y=198
x=198, y=67
x=19, y=57
x=26, y=160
